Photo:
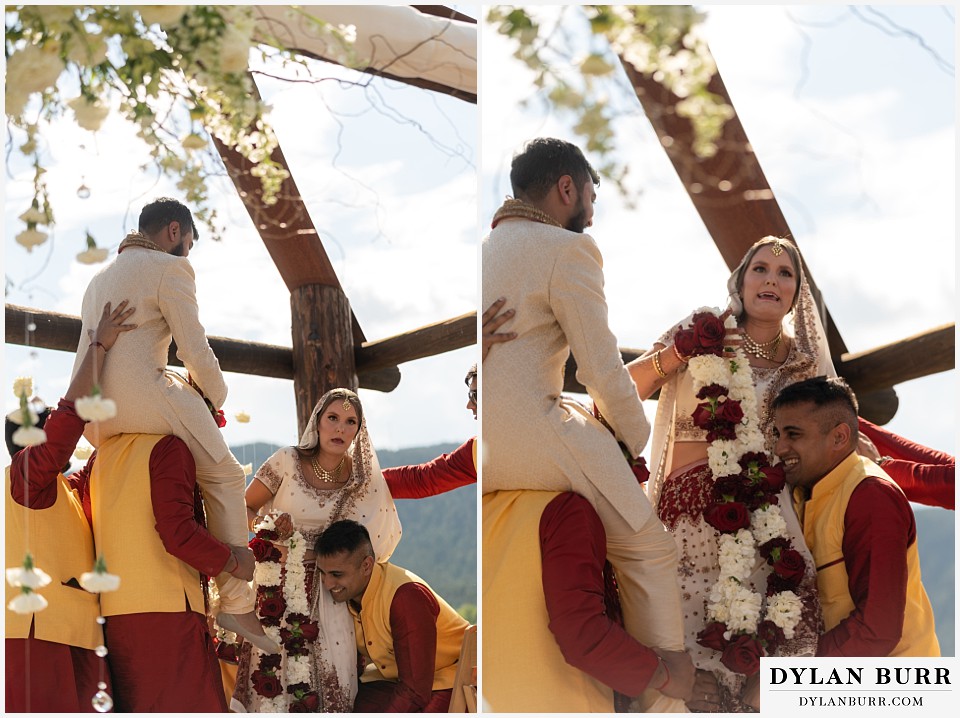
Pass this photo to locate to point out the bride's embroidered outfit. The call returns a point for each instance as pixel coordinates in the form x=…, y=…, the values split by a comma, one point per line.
x=682, y=493
x=364, y=498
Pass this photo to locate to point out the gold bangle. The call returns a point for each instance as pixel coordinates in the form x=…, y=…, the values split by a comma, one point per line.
x=680, y=356
x=656, y=365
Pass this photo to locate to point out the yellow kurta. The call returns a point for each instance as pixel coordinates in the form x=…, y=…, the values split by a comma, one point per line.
x=375, y=639
x=523, y=668
x=151, y=580
x=823, y=528
x=61, y=544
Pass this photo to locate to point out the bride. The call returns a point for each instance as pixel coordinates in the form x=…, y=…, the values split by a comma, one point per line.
x=331, y=474
x=778, y=328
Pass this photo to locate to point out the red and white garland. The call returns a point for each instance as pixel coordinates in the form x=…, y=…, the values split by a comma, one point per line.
x=741, y=623
x=285, y=616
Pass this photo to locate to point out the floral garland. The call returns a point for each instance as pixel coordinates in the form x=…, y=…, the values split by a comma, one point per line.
x=284, y=615
x=745, y=510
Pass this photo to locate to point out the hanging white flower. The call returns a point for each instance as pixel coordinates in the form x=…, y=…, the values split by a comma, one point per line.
x=27, y=575
x=30, y=238
x=23, y=386
x=95, y=407
x=29, y=602
x=16, y=416
x=92, y=254
x=31, y=69
x=99, y=580
x=33, y=215
x=242, y=417
x=83, y=452
x=234, y=50
x=247, y=469
x=87, y=50
x=29, y=436
x=193, y=141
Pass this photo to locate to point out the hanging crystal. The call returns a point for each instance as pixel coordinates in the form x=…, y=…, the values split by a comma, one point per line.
x=102, y=702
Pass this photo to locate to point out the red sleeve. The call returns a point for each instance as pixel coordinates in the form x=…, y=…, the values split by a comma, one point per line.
x=878, y=528
x=445, y=473
x=172, y=481
x=573, y=545
x=34, y=470
x=413, y=623
x=897, y=447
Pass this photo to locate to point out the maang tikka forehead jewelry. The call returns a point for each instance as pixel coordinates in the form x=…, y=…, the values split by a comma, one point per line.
x=346, y=403
x=777, y=248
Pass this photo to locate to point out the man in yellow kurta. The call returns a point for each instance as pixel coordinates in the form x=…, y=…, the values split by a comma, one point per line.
x=408, y=635
x=858, y=525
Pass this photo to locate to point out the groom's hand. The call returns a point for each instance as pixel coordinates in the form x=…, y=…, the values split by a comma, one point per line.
x=682, y=672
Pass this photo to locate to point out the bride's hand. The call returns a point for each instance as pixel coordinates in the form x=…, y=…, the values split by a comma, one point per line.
x=284, y=526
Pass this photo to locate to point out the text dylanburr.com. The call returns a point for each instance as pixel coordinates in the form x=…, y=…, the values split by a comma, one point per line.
x=925, y=686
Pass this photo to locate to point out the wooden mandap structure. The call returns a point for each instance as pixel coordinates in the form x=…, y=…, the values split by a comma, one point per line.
x=737, y=205
x=427, y=46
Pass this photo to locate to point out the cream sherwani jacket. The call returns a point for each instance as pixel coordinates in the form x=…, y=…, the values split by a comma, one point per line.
x=162, y=287
x=533, y=438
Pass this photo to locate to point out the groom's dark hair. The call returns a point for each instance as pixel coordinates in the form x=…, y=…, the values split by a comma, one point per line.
x=344, y=536
x=161, y=212
x=545, y=160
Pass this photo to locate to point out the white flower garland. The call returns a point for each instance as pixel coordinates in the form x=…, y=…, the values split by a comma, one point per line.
x=731, y=602
x=268, y=573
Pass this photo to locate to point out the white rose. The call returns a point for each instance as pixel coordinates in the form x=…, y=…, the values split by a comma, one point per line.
x=247, y=469
x=242, y=417
x=99, y=582
x=162, y=15
x=27, y=603
x=234, y=50
x=768, y=523
x=33, y=69
x=29, y=436
x=785, y=610
x=32, y=578
x=31, y=238
x=89, y=115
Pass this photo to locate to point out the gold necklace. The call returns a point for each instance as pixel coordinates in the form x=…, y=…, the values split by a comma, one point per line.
x=328, y=477
x=762, y=350
x=518, y=208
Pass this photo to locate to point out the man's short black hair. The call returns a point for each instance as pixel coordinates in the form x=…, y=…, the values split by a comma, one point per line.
x=344, y=536
x=545, y=160
x=823, y=392
x=164, y=210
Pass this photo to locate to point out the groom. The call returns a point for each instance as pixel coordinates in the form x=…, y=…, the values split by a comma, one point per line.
x=538, y=255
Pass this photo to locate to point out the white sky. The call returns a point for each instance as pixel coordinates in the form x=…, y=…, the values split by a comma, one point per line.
x=861, y=158
x=396, y=212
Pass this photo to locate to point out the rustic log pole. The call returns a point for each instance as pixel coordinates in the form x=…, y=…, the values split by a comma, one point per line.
x=322, y=345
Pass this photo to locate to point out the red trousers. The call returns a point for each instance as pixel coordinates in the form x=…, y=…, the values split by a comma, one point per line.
x=376, y=697
x=45, y=677
x=163, y=663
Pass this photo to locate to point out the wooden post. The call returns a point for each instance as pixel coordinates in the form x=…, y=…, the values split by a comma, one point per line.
x=323, y=356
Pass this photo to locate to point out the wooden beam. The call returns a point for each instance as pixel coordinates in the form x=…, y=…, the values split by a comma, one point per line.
x=426, y=341
x=375, y=361
x=728, y=190
x=444, y=11
x=922, y=354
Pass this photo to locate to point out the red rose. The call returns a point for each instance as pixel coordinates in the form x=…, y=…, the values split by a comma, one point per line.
x=712, y=391
x=702, y=416
x=777, y=584
x=742, y=655
x=266, y=685
x=791, y=566
x=264, y=550
x=730, y=410
x=639, y=469
x=710, y=332
x=728, y=488
x=773, y=478
x=220, y=418
x=712, y=636
x=227, y=652
x=727, y=517
x=757, y=458
x=771, y=634
x=767, y=549
x=312, y=702
x=295, y=646
x=270, y=662
x=722, y=431
x=686, y=343
x=272, y=609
